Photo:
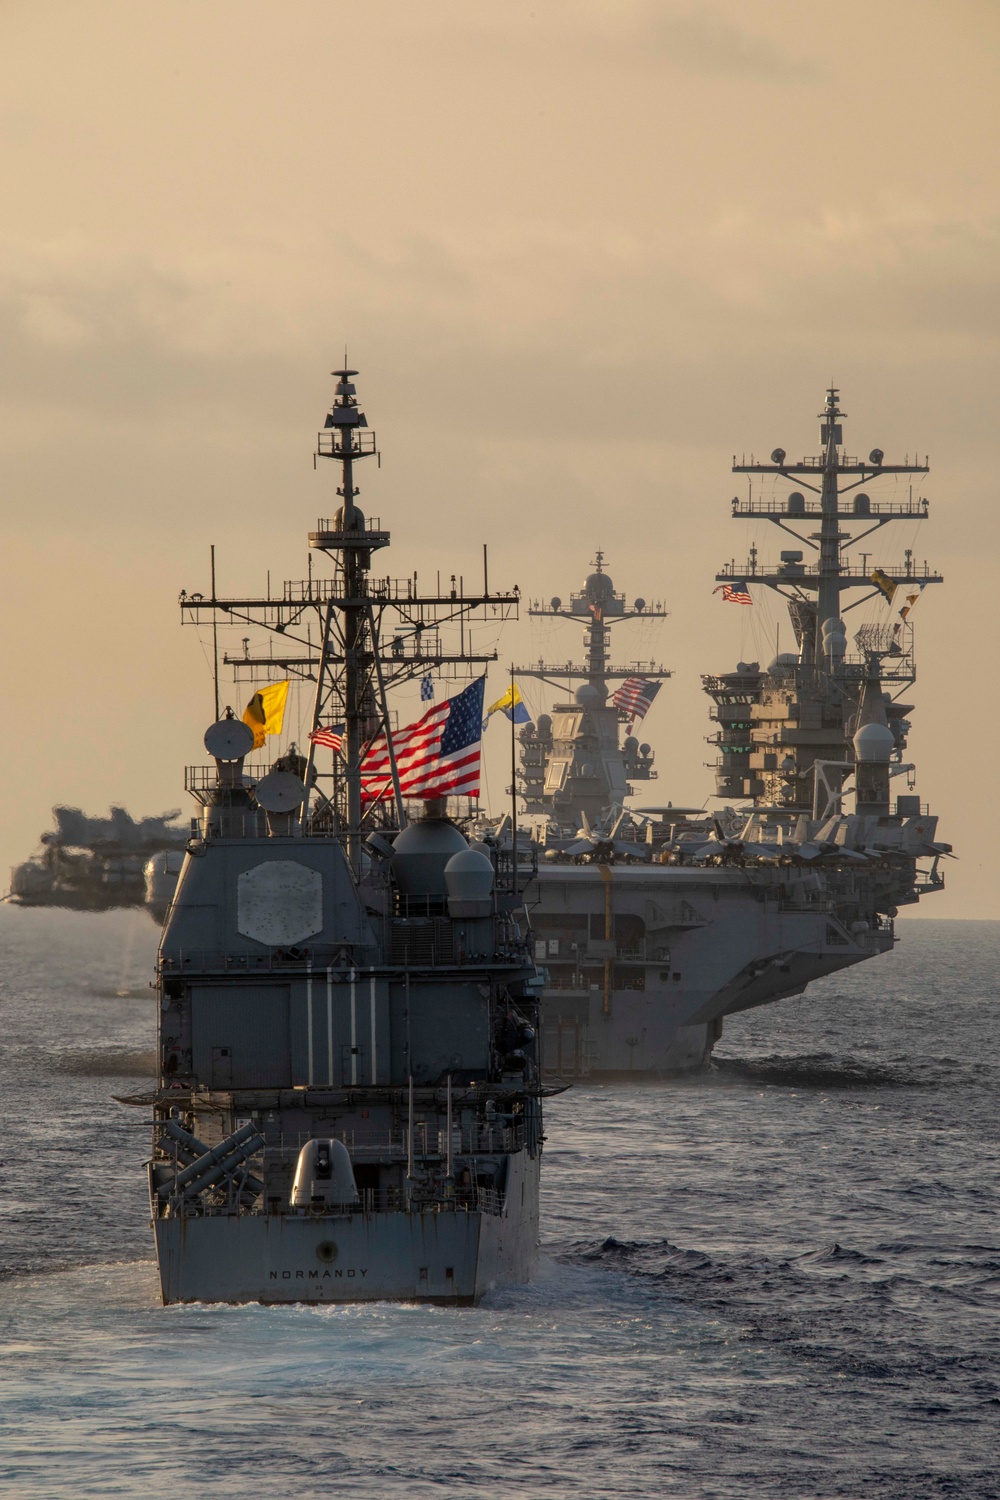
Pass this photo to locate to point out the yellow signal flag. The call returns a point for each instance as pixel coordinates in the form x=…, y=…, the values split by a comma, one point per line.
x=511, y=704
x=883, y=583
x=510, y=697
x=265, y=713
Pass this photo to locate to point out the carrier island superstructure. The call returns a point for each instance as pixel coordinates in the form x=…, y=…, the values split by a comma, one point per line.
x=348, y=1104
x=655, y=923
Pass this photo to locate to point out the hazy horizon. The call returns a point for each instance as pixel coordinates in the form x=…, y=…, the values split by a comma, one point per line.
x=581, y=254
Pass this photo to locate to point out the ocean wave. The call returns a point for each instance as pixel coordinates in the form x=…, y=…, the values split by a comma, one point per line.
x=825, y=1070
x=106, y=1062
x=838, y=1255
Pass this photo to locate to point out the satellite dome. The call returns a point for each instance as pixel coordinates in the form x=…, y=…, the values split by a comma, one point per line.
x=873, y=744
x=645, y=749
x=631, y=745
x=599, y=588
x=555, y=602
x=357, y=521
x=469, y=876
x=640, y=605
x=420, y=854
x=526, y=732
x=544, y=724
x=590, y=695
x=833, y=626
x=783, y=663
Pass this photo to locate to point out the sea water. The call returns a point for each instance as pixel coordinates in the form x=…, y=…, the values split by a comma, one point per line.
x=779, y=1278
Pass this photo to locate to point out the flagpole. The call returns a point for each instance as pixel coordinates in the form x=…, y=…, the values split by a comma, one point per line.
x=215, y=640
x=393, y=768
x=513, y=788
x=324, y=652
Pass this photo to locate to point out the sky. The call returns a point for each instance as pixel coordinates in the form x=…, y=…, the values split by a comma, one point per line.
x=582, y=252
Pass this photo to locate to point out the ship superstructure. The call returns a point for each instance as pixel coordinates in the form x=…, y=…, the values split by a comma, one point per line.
x=788, y=735
x=348, y=1105
x=575, y=765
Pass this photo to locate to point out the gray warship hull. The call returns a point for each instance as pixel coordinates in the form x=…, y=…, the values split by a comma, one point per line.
x=437, y=1254
x=688, y=948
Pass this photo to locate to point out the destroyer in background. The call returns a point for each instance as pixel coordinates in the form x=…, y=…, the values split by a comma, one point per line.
x=655, y=923
x=348, y=1104
x=97, y=864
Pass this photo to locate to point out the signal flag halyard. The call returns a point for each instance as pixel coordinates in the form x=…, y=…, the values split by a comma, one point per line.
x=265, y=713
x=912, y=594
x=436, y=757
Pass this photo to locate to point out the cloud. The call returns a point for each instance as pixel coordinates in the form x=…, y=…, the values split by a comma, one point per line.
x=666, y=331
x=703, y=40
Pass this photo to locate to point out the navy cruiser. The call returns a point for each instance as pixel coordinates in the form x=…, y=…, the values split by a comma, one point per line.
x=348, y=1104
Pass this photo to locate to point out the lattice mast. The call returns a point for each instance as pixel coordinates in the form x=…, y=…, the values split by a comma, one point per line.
x=824, y=476
x=605, y=607
x=372, y=633
x=806, y=709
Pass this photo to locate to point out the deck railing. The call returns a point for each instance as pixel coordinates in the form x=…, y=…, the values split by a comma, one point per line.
x=369, y=1201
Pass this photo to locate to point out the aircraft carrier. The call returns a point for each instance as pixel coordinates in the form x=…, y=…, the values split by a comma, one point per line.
x=654, y=923
x=98, y=864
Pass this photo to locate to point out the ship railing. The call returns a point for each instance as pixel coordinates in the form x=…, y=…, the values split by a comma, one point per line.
x=338, y=957
x=916, y=508
x=391, y=590
x=334, y=955
x=439, y=1198
x=575, y=985
x=813, y=461
x=206, y=778
x=346, y=438
x=755, y=574
x=428, y=1141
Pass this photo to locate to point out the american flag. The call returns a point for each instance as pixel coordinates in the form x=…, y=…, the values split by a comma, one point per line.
x=332, y=736
x=436, y=757
x=635, y=696
x=734, y=593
